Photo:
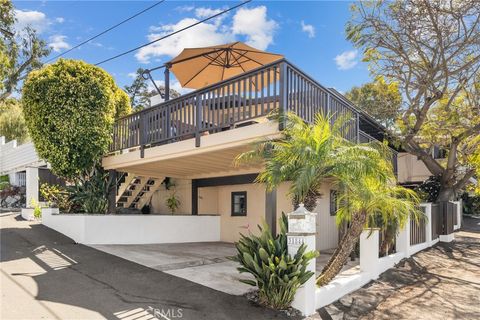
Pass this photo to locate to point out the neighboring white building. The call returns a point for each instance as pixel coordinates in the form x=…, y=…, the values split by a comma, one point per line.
x=22, y=164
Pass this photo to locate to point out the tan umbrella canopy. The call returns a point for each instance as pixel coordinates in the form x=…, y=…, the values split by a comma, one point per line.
x=196, y=68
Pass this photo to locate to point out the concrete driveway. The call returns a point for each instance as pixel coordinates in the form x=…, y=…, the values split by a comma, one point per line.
x=205, y=263
x=45, y=275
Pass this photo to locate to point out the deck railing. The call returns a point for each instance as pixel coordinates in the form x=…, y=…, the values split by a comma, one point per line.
x=365, y=138
x=235, y=102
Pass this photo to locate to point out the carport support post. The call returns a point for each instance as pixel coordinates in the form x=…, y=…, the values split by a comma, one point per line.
x=31, y=192
x=112, y=193
x=302, y=230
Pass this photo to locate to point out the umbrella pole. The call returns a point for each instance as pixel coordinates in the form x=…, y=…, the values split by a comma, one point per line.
x=167, y=83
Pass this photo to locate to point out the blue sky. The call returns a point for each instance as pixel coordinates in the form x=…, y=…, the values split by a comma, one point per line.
x=310, y=34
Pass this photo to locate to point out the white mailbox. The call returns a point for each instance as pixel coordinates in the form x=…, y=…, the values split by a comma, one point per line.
x=301, y=221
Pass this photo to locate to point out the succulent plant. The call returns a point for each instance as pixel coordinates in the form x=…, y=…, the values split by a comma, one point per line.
x=277, y=274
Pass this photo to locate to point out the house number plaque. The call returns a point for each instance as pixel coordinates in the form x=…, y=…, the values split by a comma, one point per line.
x=295, y=241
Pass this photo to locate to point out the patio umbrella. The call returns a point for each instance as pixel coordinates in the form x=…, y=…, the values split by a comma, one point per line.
x=196, y=68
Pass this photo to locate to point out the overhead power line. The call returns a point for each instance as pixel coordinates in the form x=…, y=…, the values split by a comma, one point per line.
x=173, y=33
x=106, y=30
x=6, y=32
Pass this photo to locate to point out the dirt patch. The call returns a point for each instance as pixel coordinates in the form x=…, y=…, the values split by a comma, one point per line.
x=442, y=282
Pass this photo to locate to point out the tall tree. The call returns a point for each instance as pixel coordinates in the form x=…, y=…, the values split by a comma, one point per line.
x=140, y=92
x=379, y=99
x=20, y=51
x=12, y=123
x=432, y=50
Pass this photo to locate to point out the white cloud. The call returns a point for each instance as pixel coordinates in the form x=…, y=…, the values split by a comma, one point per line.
x=60, y=20
x=132, y=75
x=184, y=8
x=205, y=34
x=203, y=13
x=346, y=60
x=58, y=43
x=251, y=24
x=255, y=25
x=309, y=29
x=35, y=19
x=95, y=44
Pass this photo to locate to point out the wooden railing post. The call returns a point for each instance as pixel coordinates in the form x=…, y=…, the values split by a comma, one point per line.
x=283, y=101
x=357, y=127
x=141, y=135
x=198, y=120
x=168, y=122
x=167, y=82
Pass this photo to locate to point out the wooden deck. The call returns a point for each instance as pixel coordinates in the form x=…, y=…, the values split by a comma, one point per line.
x=239, y=101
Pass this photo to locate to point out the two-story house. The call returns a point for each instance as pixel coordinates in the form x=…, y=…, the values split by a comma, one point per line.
x=194, y=139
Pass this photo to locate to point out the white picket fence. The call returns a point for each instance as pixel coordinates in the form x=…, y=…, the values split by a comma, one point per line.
x=372, y=265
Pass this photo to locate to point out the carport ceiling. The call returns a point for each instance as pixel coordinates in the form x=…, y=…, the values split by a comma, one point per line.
x=195, y=166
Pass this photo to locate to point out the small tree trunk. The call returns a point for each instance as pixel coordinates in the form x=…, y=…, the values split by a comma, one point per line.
x=446, y=194
x=346, y=245
x=389, y=234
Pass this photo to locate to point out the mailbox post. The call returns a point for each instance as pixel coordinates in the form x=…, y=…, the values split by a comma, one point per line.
x=302, y=230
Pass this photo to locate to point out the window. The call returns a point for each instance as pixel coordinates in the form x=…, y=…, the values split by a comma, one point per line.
x=333, y=202
x=239, y=203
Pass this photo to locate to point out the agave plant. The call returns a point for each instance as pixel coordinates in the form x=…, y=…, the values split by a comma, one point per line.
x=91, y=190
x=277, y=274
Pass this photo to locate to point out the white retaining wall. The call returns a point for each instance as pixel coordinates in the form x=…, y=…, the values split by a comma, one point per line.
x=133, y=229
x=28, y=214
x=371, y=266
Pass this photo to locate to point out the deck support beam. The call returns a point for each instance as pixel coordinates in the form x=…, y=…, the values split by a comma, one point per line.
x=112, y=193
x=271, y=209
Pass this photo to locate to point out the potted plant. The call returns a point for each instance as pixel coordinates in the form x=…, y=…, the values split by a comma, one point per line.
x=173, y=202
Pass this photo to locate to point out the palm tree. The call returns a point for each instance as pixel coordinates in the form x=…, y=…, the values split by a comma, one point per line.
x=363, y=201
x=308, y=154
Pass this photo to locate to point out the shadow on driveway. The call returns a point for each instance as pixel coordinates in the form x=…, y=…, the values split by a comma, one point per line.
x=73, y=275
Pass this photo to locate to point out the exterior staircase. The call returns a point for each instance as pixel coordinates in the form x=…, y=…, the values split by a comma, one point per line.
x=136, y=191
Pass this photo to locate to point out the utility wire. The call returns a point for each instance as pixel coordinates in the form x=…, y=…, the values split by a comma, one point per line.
x=173, y=33
x=6, y=32
x=105, y=31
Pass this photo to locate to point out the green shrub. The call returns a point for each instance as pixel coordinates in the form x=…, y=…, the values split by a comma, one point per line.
x=4, y=182
x=471, y=204
x=56, y=197
x=37, y=210
x=277, y=274
x=90, y=192
x=69, y=107
x=429, y=190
